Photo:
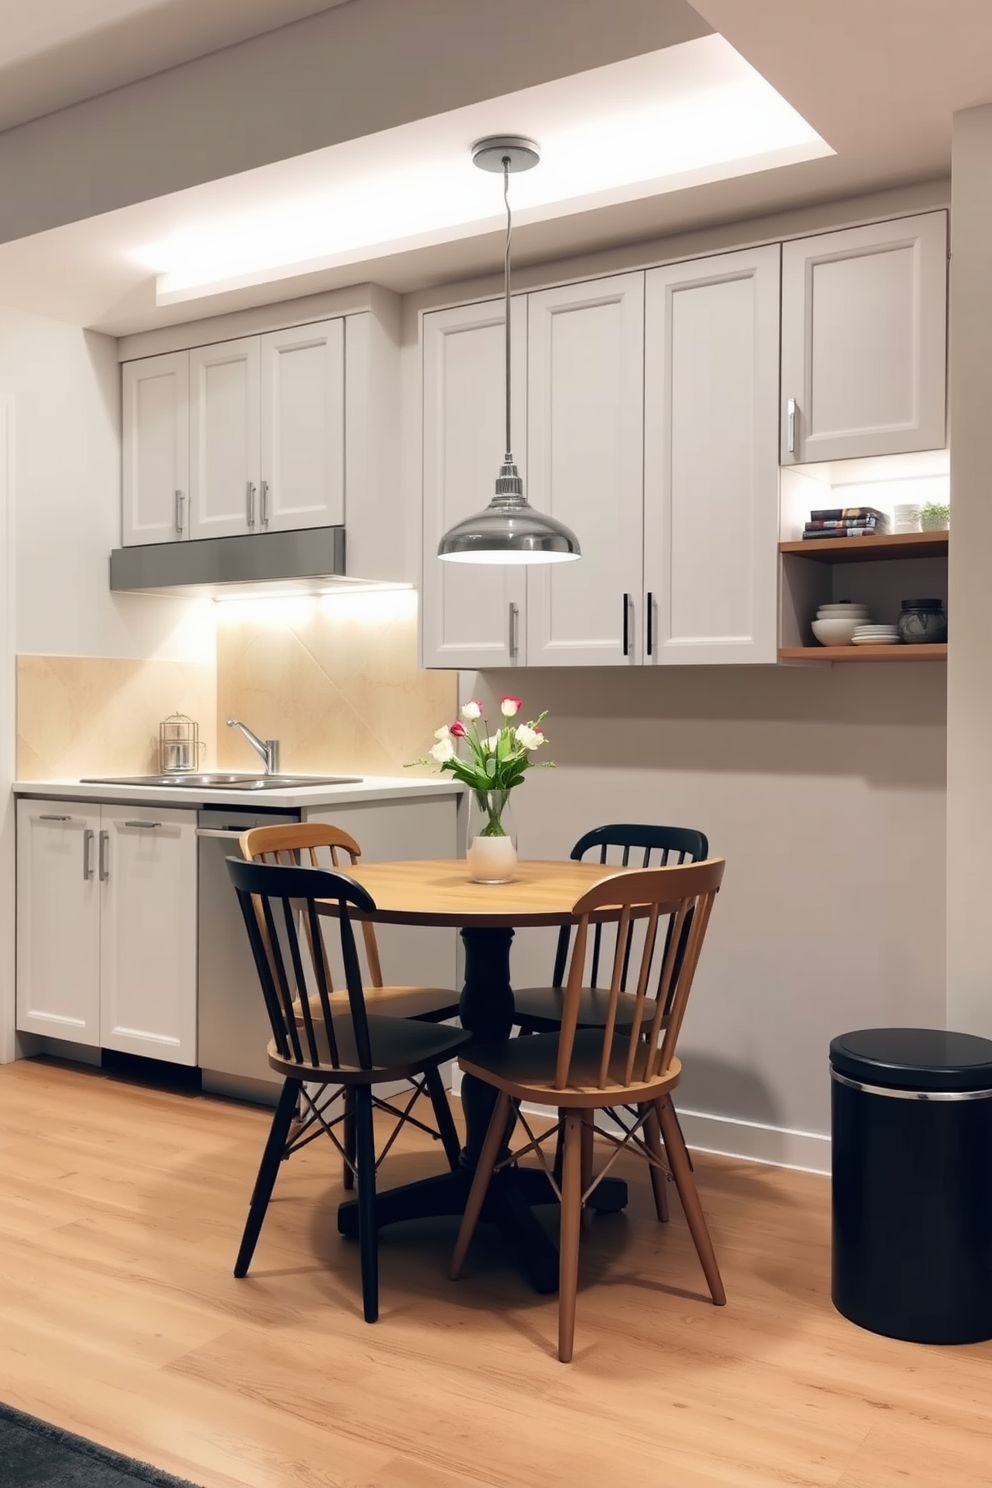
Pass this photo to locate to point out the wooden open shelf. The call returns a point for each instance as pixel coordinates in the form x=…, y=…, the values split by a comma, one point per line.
x=870, y=549
x=863, y=653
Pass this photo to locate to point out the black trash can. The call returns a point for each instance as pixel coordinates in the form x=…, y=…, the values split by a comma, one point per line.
x=912, y=1183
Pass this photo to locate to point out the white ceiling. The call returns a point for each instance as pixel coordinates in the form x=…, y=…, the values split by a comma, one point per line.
x=54, y=53
x=878, y=79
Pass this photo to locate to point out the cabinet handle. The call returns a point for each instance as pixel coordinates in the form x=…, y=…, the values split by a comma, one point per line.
x=649, y=605
x=265, y=504
x=104, y=856
x=626, y=625
x=149, y=826
x=87, y=845
x=42, y=817
x=179, y=512
x=514, y=627
x=250, y=504
x=790, y=412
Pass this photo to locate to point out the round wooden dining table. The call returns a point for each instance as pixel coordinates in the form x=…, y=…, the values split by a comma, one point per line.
x=439, y=892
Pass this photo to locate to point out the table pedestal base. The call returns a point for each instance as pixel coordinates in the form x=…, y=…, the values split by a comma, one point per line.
x=509, y=1205
x=487, y=1012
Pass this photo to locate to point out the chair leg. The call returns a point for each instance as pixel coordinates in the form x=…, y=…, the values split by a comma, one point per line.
x=447, y=1130
x=588, y=1134
x=368, y=1239
x=495, y=1137
x=348, y=1135
x=659, y=1180
x=571, y=1223
x=678, y=1157
x=272, y=1156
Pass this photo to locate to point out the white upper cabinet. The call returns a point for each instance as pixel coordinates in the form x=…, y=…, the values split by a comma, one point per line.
x=148, y=962
x=302, y=432
x=585, y=466
x=156, y=449
x=58, y=921
x=711, y=459
x=472, y=615
x=224, y=438
x=864, y=314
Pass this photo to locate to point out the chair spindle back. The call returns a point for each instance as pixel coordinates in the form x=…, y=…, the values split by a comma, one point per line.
x=685, y=894
x=274, y=899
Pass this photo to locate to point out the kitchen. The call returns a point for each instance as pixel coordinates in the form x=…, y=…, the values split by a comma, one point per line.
x=840, y=769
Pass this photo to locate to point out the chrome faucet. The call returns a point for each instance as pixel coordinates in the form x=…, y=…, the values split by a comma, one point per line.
x=268, y=749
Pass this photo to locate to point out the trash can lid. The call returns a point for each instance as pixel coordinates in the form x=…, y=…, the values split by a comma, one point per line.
x=914, y=1058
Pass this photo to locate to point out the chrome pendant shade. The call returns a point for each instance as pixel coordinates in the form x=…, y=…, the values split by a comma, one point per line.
x=509, y=531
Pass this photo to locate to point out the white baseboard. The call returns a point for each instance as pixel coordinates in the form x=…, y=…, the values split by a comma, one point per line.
x=777, y=1146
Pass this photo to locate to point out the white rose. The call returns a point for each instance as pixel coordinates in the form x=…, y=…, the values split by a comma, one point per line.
x=529, y=738
x=443, y=751
x=471, y=710
x=444, y=732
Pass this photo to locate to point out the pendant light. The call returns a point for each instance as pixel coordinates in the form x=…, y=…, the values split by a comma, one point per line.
x=509, y=530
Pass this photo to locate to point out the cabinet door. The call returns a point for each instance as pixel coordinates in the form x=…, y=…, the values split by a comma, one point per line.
x=302, y=432
x=864, y=315
x=471, y=614
x=710, y=459
x=223, y=430
x=156, y=449
x=58, y=921
x=148, y=960
x=585, y=454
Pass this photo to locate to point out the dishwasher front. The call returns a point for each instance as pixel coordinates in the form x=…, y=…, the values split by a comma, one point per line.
x=233, y=1026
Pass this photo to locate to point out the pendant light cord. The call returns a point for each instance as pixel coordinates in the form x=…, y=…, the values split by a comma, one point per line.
x=506, y=295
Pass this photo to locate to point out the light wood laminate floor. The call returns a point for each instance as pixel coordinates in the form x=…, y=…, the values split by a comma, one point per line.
x=120, y=1211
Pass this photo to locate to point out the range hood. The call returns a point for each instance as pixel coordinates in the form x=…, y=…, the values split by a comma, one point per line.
x=309, y=561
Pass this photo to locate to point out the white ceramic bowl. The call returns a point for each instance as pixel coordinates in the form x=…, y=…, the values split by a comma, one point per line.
x=834, y=632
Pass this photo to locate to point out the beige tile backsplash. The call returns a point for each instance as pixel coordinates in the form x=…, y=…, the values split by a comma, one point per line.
x=335, y=679
x=80, y=715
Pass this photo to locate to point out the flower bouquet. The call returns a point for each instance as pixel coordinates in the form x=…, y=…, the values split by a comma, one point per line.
x=494, y=764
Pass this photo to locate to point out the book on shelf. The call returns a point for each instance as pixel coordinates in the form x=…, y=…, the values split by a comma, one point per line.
x=846, y=524
x=829, y=532
x=842, y=513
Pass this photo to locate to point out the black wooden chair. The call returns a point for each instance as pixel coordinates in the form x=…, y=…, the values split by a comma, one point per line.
x=319, y=1043
x=539, y=1009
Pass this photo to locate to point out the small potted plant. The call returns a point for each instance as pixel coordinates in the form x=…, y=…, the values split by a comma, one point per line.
x=935, y=516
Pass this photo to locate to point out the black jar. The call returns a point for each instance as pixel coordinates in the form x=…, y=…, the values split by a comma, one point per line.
x=922, y=622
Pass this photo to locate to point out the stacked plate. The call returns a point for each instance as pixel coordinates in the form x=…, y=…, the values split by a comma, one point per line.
x=875, y=635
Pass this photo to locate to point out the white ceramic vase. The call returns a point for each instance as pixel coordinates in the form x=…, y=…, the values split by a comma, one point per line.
x=491, y=854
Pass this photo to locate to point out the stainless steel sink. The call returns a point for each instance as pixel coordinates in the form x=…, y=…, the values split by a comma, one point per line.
x=220, y=781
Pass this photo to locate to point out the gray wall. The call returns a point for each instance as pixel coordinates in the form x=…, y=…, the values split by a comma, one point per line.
x=824, y=789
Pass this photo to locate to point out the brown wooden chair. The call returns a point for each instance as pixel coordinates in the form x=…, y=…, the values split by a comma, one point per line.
x=322, y=845
x=582, y=1071
x=334, y=1046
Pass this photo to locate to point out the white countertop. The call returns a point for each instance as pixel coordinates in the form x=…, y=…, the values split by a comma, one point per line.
x=369, y=788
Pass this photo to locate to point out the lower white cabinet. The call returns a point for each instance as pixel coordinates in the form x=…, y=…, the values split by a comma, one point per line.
x=106, y=926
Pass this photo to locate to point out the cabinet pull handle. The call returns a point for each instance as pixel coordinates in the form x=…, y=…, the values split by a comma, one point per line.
x=104, y=856
x=649, y=603
x=265, y=504
x=87, y=846
x=250, y=505
x=42, y=817
x=791, y=410
x=626, y=625
x=179, y=512
x=514, y=625
x=149, y=826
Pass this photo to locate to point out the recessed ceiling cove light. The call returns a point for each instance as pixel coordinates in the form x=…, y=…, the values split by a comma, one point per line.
x=660, y=122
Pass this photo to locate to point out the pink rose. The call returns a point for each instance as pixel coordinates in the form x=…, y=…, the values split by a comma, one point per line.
x=508, y=706
x=457, y=730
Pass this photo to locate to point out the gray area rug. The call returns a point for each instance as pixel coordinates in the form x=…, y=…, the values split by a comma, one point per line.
x=36, y=1455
